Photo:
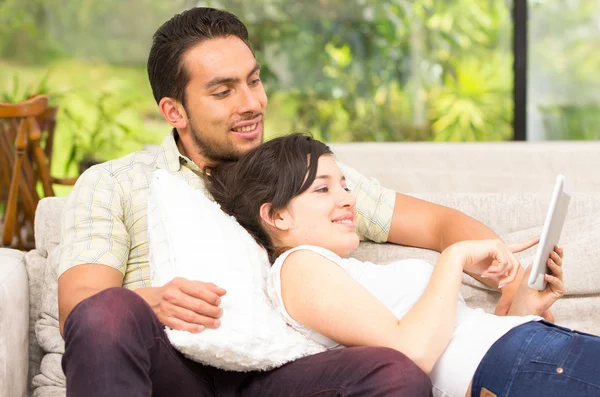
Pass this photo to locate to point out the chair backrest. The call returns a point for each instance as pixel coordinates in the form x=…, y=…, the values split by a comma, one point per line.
x=47, y=123
x=23, y=163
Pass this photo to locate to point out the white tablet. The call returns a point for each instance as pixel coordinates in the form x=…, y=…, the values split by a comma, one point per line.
x=555, y=219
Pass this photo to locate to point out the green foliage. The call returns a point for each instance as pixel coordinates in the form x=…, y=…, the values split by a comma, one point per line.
x=571, y=122
x=97, y=126
x=346, y=70
x=18, y=91
x=389, y=71
x=104, y=111
x=474, y=103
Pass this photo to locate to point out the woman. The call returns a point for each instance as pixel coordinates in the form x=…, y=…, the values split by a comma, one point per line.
x=291, y=196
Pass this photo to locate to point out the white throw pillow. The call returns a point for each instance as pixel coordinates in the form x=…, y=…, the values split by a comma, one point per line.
x=189, y=236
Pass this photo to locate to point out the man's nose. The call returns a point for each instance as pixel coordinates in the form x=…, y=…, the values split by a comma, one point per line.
x=249, y=102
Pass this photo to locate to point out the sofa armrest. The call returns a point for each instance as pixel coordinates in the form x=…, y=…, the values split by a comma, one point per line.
x=14, y=324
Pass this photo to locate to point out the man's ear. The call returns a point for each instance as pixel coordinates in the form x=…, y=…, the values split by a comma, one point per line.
x=279, y=220
x=173, y=112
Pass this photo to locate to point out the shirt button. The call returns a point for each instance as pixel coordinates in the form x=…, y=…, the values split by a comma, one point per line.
x=559, y=370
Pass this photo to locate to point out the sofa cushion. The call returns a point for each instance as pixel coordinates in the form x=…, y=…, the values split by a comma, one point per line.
x=51, y=378
x=47, y=224
x=580, y=239
x=507, y=213
x=36, y=269
x=14, y=324
x=47, y=236
x=448, y=167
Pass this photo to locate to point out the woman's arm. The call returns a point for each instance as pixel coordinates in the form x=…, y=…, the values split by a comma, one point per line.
x=319, y=294
x=322, y=296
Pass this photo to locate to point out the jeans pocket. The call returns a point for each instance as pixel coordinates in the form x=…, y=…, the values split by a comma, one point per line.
x=551, y=346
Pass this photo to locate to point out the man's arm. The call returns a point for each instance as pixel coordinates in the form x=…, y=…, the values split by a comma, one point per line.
x=422, y=224
x=95, y=245
x=81, y=282
x=180, y=304
x=385, y=215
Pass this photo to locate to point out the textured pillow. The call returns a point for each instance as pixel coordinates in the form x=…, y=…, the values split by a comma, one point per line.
x=189, y=236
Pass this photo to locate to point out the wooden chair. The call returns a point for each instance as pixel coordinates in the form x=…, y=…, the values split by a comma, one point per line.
x=47, y=123
x=23, y=164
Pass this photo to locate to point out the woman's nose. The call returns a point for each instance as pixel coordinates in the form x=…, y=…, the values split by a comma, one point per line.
x=346, y=199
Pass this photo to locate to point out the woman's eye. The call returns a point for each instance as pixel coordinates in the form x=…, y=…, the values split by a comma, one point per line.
x=322, y=189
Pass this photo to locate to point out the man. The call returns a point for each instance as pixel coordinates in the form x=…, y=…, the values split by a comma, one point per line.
x=205, y=79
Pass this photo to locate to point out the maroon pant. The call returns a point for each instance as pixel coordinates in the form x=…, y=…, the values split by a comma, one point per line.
x=115, y=346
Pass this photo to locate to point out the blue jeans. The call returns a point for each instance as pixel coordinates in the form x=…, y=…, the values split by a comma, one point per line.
x=541, y=359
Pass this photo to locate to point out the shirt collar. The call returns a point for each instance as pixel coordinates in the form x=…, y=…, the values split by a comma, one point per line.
x=169, y=156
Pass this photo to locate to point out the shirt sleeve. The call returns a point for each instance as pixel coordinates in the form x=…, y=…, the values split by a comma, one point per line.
x=374, y=205
x=92, y=227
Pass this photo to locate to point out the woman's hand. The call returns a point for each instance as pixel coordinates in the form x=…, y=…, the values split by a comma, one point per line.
x=505, y=265
x=531, y=301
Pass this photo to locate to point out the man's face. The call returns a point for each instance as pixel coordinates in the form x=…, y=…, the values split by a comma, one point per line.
x=225, y=99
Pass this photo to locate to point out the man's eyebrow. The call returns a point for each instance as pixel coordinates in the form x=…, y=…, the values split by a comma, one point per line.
x=228, y=80
x=255, y=69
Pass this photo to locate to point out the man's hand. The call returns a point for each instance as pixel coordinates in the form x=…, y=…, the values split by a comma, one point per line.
x=185, y=305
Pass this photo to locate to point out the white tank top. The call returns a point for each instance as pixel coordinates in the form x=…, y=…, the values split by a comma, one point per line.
x=398, y=286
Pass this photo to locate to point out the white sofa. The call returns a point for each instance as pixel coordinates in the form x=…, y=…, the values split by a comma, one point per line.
x=505, y=185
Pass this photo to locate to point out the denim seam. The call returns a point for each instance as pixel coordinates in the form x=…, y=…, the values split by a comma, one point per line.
x=597, y=386
x=540, y=349
x=519, y=361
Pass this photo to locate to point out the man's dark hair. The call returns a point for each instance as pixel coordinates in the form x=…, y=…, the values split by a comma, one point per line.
x=166, y=72
x=274, y=172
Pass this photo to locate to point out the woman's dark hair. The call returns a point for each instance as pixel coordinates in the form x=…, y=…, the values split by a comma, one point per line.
x=166, y=72
x=274, y=172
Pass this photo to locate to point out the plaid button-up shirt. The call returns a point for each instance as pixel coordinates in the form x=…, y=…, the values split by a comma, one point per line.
x=105, y=222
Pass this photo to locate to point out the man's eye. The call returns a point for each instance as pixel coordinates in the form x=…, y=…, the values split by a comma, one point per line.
x=221, y=94
x=255, y=82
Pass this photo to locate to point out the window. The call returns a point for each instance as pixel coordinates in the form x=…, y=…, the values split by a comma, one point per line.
x=564, y=70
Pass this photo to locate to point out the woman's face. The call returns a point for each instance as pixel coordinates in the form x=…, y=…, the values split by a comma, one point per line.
x=324, y=214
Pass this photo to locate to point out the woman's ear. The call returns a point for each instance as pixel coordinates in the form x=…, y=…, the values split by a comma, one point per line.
x=279, y=220
x=173, y=112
